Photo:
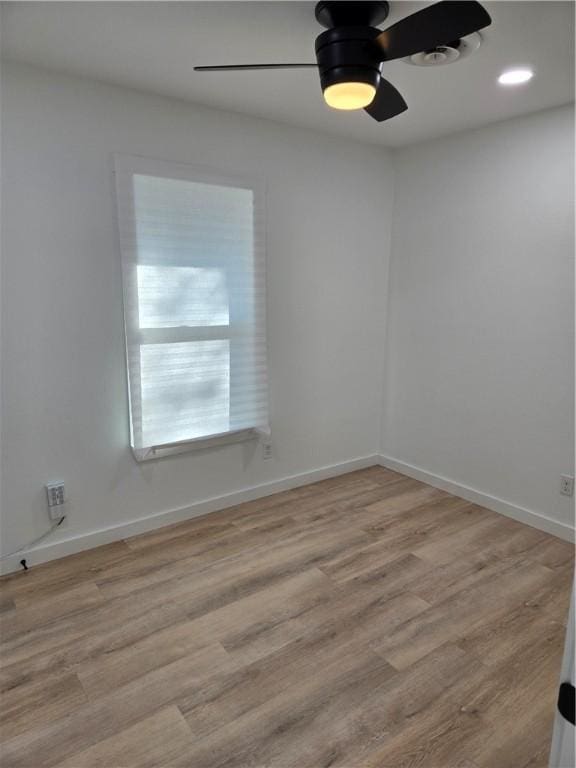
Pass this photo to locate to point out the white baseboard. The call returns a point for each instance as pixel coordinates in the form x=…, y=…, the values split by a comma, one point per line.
x=73, y=544
x=523, y=515
x=51, y=550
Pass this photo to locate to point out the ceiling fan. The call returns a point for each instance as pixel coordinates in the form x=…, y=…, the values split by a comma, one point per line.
x=351, y=53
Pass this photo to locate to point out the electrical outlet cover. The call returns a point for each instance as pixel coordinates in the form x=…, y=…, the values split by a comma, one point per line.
x=267, y=450
x=566, y=485
x=55, y=494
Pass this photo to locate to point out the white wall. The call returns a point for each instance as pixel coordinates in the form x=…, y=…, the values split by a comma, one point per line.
x=479, y=359
x=329, y=205
x=479, y=371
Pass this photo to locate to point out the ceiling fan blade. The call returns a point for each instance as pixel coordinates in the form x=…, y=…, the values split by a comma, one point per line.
x=438, y=24
x=248, y=67
x=387, y=103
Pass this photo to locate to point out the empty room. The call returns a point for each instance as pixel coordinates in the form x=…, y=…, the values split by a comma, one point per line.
x=287, y=384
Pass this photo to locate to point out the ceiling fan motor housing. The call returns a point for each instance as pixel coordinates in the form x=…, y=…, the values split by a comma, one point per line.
x=348, y=54
x=338, y=13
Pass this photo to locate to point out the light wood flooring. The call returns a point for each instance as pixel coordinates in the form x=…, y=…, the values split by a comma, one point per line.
x=366, y=621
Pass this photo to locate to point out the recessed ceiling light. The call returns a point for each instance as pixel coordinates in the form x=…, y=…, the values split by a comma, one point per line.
x=515, y=76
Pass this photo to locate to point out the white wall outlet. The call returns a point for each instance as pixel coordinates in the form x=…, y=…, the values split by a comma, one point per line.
x=267, y=450
x=56, y=500
x=566, y=485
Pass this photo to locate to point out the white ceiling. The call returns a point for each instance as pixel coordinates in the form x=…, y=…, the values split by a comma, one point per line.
x=154, y=45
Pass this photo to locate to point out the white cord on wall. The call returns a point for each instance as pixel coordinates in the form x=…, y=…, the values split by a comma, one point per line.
x=35, y=541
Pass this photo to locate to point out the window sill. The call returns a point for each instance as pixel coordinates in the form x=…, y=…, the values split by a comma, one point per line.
x=202, y=443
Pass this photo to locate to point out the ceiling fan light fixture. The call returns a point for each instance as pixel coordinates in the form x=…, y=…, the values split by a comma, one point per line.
x=349, y=88
x=349, y=95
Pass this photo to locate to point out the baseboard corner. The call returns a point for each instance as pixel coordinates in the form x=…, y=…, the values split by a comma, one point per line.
x=521, y=514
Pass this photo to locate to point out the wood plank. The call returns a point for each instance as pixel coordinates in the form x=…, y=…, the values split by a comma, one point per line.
x=110, y=714
x=26, y=706
x=7, y=603
x=554, y=553
x=157, y=740
x=450, y=619
x=406, y=532
x=441, y=737
x=116, y=668
x=408, y=698
x=35, y=612
x=279, y=730
x=321, y=646
x=49, y=637
x=75, y=647
x=370, y=565
x=254, y=617
x=515, y=697
x=504, y=537
x=504, y=636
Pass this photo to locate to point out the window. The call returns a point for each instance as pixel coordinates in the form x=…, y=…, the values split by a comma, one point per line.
x=194, y=301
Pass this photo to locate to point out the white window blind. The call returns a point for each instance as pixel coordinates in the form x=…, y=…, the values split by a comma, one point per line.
x=194, y=305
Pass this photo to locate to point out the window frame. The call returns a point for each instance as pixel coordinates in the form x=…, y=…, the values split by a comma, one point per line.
x=125, y=167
